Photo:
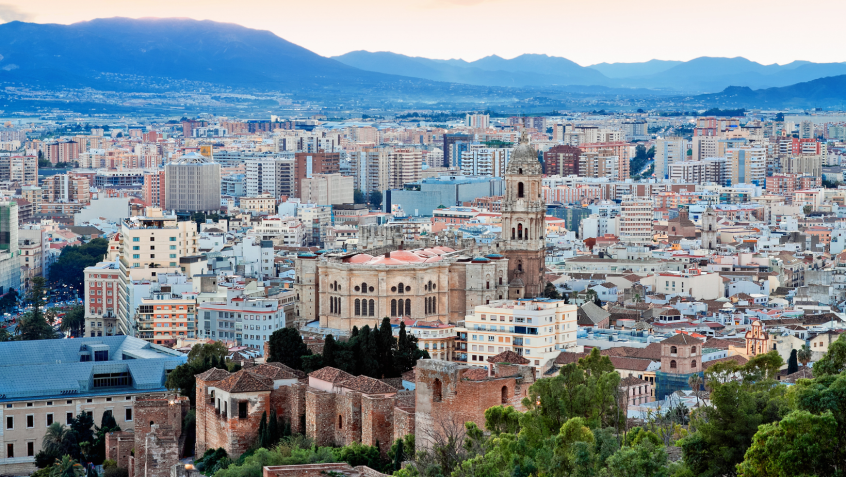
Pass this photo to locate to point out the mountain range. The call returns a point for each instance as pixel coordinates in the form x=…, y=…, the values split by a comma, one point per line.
x=702, y=74
x=158, y=54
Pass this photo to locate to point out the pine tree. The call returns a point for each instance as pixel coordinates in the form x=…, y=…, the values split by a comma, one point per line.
x=354, y=332
x=329, y=348
x=262, y=432
x=398, y=457
x=273, y=428
x=792, y=363
x=386, y=345
x=214, y=362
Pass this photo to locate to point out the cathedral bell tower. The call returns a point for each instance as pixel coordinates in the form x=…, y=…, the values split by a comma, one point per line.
x=524, y=222
x=709, y=228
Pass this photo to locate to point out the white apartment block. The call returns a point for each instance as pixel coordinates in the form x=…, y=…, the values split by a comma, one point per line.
x=636, y=215
x=327, y=189
x=537, y=330
x=485, y=162
x=668, y=151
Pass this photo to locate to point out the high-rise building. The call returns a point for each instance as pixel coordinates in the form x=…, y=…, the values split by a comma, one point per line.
x=704, y=147
x=151, y=245
x=327, y=189
x=668, y=151
x=10, y=266
x=454, y=145
x=806, y=130
x=561, y=160
x=307, y=164
x=635, y=129
x=271, y=175
x=369, y=169
x=404, y=167
x=101, y=299
x=477, y=121
x=748, y=165
x=524, y=221
x=192, y=184
x=20, y=169
x=485, y=161
x=636, y=220
x=154, y=191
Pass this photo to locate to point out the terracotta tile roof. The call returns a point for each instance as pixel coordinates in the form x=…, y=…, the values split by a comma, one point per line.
x=569, y=358
x=245, y=381
x=214, y=374
x=331, y=375
x=508, y=356
x=634, y=364
x=682, y=339
x=410, y=376
x=296, y=372
x=736, y=358
x=475, y=374
x=632, y=381
x=803, y=373
x=273, y=372
x=367, y=385
x=723, y=343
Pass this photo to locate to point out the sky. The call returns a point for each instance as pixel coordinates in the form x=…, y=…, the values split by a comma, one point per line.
x=587, y=32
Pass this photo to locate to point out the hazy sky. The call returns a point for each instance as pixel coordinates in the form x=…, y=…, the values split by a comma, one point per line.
x=587, y=32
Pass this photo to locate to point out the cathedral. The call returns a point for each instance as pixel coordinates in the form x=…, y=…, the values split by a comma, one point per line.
x=441, y=277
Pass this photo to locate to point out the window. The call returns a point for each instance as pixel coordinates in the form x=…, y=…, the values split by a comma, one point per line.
x=127, y=416
x=437, y=390
x=30, y=449
x=112, y=379
x=68, y=418
x=173, y=247
x=693, y=350
x=10, y=451
x=173, y=239
x=136, y=247
x=340, y=421
x=136, y=239
x=49, y=419
x=673, y=350
x=520, y=191
x=101, y=356
x=505, y=395
x=30, y=421
x=693, y=364
x=242, y=410
x=10, y=422
x=673, y=364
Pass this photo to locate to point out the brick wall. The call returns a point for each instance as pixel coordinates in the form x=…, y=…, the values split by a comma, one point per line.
x=348, y=406
x=118, y=447
x=297, y=406
x=403, y=422
x=157, y=430
x=377, y=424
x=160, y=452
x=321, y=419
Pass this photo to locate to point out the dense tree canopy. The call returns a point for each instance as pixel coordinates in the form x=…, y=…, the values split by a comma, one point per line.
x=68, y=268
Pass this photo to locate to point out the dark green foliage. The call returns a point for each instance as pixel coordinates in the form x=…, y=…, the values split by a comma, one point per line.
x=200, y=360
x=358, y=197
x=263, y=436
x=398, y=454
x=33, y=325
x=834, y=361
x=792, y=363
x=273, y=431
x=375, y=199
x=74, y=321
x=551, y=292
x=107, y=425
x=329, y=350
x=640, y=159
x=211, y=461
x=287, y=347
x=68, y=268
x=312, y=362
x=116, y=472
x=357, y=454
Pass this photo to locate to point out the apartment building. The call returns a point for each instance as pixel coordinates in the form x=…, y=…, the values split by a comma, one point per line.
x=284, y=231
x=153, y=191
x=327, y=189
x=165, y=317
x=20, y=169
x=369, y=169
x=636, y=214
x=192, y=184
x=477, y=121
x=748, y=165
x=623, y=151
x=404, y=167
x=485, y=161
x=561, y=160
x=536, y=329
x=151, y=244
x=65, y=188
x=261, y=204
x=249, y=321
x=306, y=164
x=271, y=175
x=102, y=282
x=668, y=151
x=42, y=382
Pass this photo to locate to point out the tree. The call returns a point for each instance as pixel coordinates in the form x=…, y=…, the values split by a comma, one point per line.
x=800, y=444
x=834, y=361
x=359, y=197
x=68, y=268
x=807, y=209
x=804, y=355
x=67, y=467
x=74, y=321
x=550, y=291
x=386, y=346
x=645, y=458
x=57, y=441
x=312, y=362
x=286, y=346
x=792, y=363
x=407, y=352
x=329, y=350
x=200, y=359
x=398, y=455
x=107, y=425
x=273, y=430
x=263, y=438
x=33, y=325
x=376, y=199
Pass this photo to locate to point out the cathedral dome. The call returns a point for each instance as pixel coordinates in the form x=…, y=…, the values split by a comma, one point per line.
x=524, y=159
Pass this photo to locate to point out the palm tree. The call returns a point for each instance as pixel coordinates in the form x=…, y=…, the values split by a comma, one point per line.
x=590, y=295
x=804, y=355
x=67, y=467
x=636, y=298
x=55, y=438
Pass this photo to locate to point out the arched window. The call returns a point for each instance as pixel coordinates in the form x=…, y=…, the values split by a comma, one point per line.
x=437, y=390
x=357, y=307
x=434, y=304
x=693, y=364
x=372, y=308
x=335, y=286
x=505, y=394
x=340, y=421
x=520, y=191
x=364, y=288
x=693, y=350
x=500, y=280
x=674, y=350
x=401, y=288
x=673, y=364
x=393, y=308
x=519, y=266
x=331, y=305
x=513, y=235
x=519, y=231
x=408, y=307
x=520, y=171
x=487, y=285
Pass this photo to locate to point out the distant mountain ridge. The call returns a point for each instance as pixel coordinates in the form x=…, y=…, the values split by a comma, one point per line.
x=700, y=74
